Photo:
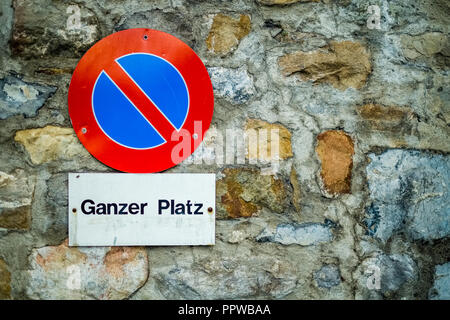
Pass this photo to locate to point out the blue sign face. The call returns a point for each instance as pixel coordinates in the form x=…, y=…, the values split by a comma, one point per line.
x=121, y=120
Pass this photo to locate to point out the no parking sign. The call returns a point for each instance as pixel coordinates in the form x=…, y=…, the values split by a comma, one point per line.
x=132, y=97
x=134, y=94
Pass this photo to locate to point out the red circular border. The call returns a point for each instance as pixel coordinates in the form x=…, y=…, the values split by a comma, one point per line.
x=105, y=52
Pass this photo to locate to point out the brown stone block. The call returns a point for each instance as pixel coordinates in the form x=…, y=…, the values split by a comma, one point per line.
x=342, y=64
x=243, y=192
x=18, y=218
x=335, y=150
x=226, y=33
x=5, y=281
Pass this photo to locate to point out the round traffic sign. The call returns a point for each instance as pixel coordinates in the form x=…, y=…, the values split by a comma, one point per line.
x=135, y=96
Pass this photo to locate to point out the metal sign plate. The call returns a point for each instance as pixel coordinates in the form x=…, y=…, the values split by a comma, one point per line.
x=117, y=209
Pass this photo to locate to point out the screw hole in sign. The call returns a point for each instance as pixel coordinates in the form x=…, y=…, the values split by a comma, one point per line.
x=136, y=96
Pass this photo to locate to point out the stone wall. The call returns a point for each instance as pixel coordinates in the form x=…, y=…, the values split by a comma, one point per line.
x=359, y=208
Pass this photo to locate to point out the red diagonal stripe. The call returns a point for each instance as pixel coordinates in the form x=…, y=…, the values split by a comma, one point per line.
x=140, y=100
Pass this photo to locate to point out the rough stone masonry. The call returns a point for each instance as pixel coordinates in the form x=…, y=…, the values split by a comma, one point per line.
x=359, y=208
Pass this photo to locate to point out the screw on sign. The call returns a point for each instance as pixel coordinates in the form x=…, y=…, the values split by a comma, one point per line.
x=135, y=94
